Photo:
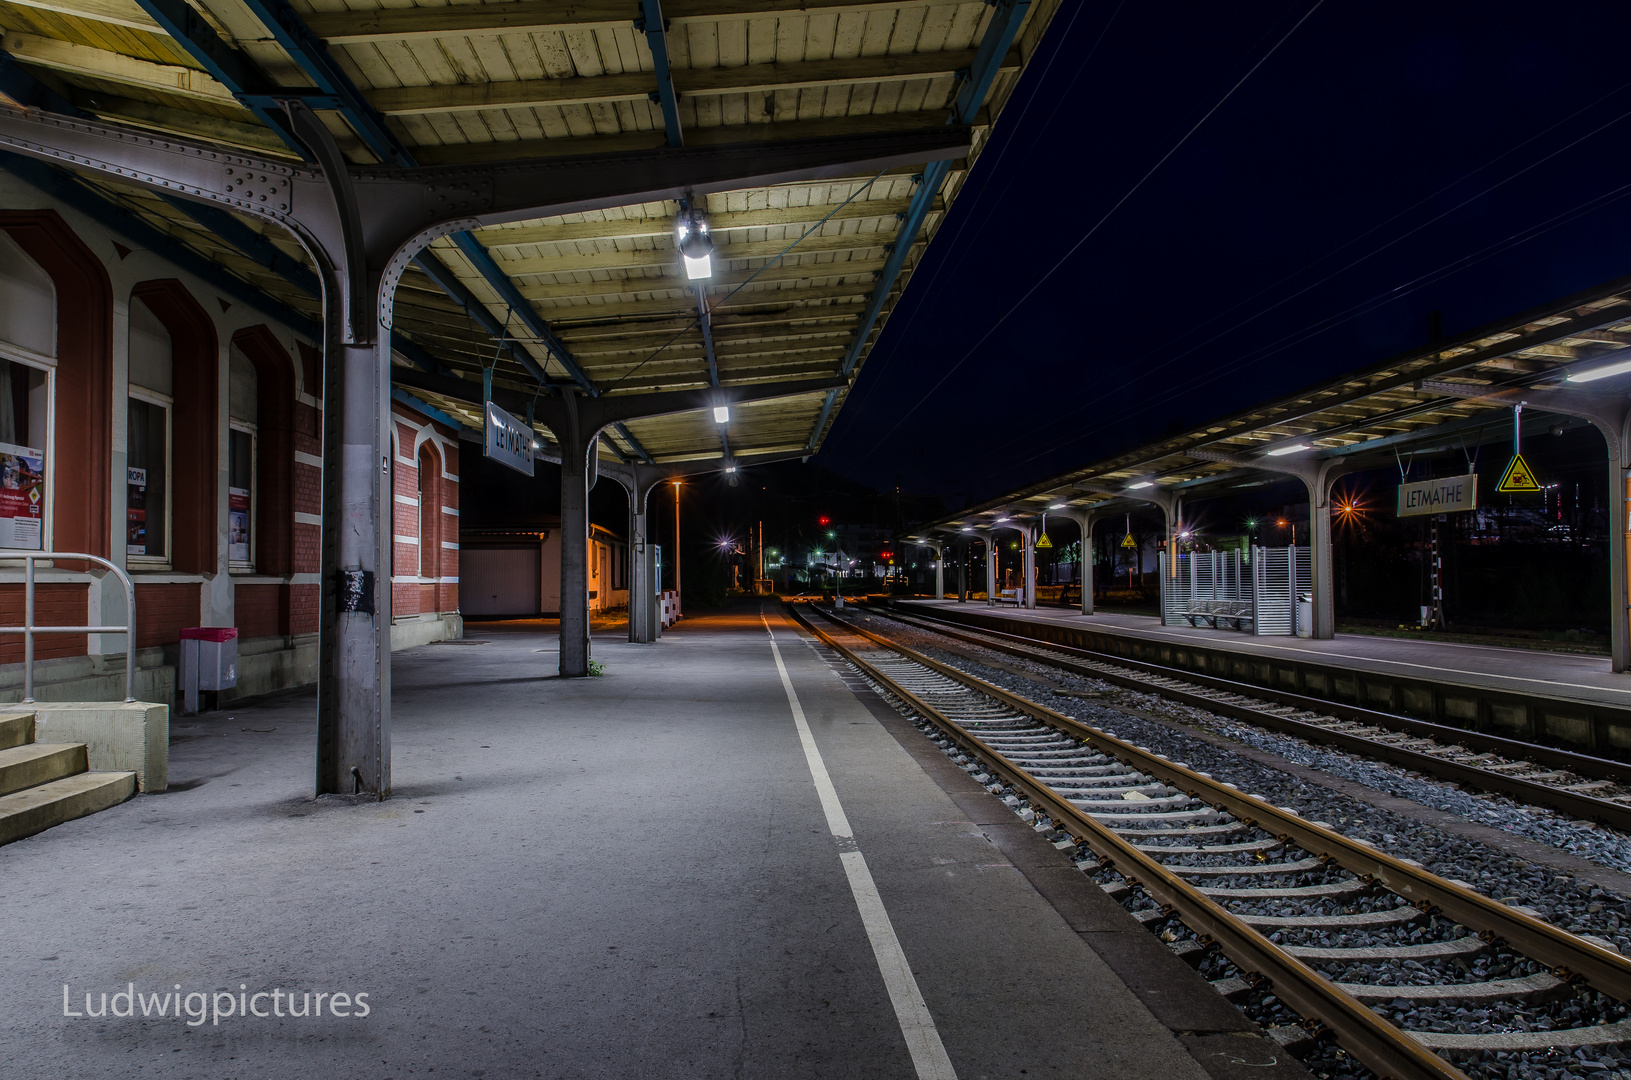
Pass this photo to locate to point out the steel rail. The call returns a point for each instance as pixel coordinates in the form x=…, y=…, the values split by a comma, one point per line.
x=1567, y=954
x=1382, y=1047
x=1575, y=803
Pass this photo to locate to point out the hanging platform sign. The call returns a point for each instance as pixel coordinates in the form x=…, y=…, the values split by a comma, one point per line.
x=1129, y=542
x=1518, y=478
x=509, y=441
x=1445, y=496
x=1043, y=541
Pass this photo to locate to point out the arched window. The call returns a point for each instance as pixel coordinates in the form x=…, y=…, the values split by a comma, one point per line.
x=430, y=512
x=243, y=397
x=147, y=437
x=178, y=432
x=28, y=356
x=80, y=390
x=262, y=443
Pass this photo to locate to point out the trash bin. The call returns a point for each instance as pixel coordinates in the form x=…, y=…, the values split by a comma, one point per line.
x=209, y=661
x=1305, y=615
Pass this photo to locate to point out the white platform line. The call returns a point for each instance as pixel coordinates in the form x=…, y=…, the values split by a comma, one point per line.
x=916, y=1025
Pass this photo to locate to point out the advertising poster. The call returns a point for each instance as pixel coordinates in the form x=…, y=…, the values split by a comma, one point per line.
x=136, y=512
x=22, y=496
x=238, y=524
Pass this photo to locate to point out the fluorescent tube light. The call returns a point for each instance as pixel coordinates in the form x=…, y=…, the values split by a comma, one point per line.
x=1619, y=367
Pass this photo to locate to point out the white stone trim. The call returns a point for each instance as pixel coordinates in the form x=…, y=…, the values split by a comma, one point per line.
x=303, y=458
x=301, y=518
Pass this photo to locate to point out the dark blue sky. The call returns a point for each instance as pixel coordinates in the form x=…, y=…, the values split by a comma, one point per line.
x=1375, y=126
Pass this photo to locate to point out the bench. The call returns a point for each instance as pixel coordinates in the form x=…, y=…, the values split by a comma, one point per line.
x=1217, y=612
x=1010, y=596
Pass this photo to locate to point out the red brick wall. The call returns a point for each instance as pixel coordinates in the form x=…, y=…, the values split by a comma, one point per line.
x=59, y=604
x=163, y=610
x=262, y=609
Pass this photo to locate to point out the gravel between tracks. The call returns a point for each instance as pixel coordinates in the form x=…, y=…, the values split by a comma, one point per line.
x=1577, y=906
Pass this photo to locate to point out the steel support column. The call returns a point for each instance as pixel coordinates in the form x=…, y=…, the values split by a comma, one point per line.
x=962, y=572
x=990, y=568
x=939, y=571
x=1027, y=543
x=639, y=480
x=1607, y=405
x=1084, y=572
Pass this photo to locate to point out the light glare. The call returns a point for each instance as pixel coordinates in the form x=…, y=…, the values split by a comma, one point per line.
x=722, y=414
x=1603, y=372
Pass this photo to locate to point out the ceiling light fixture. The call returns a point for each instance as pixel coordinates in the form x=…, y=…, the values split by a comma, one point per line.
x=1281, y=451
x=722, y=414
x=1057, y=506
x=696, y=246
x=1618, y=368
x=1141, y=484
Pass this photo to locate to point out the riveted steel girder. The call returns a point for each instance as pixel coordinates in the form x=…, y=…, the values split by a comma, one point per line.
x=402, y=210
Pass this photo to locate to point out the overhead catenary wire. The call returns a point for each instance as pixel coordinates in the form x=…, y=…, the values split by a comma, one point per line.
x=773, y=260
x=990, y=159
x=1364, y=307
x=1108, y=214
x=1145, y=371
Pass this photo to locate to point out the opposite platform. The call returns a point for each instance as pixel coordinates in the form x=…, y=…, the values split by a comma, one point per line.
x=635, y=875
x=1562, y=698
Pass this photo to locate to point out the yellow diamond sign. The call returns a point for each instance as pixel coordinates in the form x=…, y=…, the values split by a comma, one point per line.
x=1129, y=542
x=1519, y=477
x=1043, y=541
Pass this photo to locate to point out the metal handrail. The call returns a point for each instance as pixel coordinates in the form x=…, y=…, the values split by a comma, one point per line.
x=28, y=629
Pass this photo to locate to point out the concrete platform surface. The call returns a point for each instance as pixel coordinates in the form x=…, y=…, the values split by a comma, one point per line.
x=1533, y=671
x=628, y=876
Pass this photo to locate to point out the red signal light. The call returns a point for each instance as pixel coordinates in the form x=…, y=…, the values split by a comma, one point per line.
x=885, y=555
x=823, y=520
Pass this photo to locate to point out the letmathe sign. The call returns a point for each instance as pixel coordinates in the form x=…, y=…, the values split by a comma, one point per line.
x=509, y=441
x=1444, y=496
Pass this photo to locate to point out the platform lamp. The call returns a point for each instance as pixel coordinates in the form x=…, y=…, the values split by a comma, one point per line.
x=696, y=246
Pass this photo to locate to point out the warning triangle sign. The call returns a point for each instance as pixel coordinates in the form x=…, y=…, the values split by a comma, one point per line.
x=1129, y=542
x=1518, y=477
x=1043, y=541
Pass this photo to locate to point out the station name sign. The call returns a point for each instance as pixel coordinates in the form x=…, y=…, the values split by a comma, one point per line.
x=509, y=441
x=1446, y=496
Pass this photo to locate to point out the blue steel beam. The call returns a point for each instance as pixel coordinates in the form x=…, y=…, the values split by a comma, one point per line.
x=448, y=282
x=431, y=411
x=337, y=91
x=500, y=283
x=22, y=87
x=999, y=35
x=226, y=65
x=652, y=24
x=310, y=53
x=705, y=320
x=634, y=444
x=67, y=189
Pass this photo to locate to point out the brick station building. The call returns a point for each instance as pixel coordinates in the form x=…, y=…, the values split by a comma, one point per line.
x=148, y=420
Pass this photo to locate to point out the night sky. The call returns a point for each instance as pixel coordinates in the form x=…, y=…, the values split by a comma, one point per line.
x=1389, y=160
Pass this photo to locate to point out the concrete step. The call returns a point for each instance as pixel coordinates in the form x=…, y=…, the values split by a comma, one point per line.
x=39, y=763
x=16, y=729
x=35, y=809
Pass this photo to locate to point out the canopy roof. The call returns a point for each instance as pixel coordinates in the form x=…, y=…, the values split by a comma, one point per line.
x=805, y=274
x=1436, y=397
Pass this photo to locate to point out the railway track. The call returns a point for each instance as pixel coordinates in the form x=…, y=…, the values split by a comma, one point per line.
x=1297, y=907
x=1580, y=785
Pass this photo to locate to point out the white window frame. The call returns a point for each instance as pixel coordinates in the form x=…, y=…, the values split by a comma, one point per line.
x=168, y=404
x=235, y=566
x=48, y=364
